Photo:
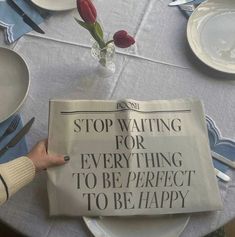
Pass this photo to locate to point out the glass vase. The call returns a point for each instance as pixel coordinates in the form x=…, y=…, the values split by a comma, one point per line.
x=105, y=57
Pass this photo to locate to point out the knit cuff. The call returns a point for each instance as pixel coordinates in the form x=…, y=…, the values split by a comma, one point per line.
x=17, y=173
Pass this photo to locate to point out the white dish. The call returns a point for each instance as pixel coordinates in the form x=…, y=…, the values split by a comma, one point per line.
x=14, y=82
x=55, y=5
x=211, y=34
x=147, y=226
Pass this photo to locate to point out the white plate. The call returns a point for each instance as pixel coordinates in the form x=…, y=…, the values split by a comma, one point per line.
x=147, y=226
x=14, y=82
x=211, y=34
x=55, y=5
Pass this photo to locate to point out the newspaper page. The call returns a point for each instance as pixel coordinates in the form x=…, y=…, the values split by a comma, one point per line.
x=130, y=158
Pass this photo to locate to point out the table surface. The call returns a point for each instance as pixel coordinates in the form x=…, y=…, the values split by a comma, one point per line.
x=159, y=66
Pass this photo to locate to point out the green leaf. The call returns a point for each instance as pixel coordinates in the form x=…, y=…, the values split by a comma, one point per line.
x=85, y=25
x=95, y=30
x=99, y=30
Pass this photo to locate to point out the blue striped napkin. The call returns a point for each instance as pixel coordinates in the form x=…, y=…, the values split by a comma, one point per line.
x=13, y=24
x=219, y=144
x=19, y=149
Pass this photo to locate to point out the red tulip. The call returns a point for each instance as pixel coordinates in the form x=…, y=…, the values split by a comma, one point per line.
x=122, y=39
x=87, y=10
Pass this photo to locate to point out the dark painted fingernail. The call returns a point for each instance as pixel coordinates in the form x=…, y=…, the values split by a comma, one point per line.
x=66, y=158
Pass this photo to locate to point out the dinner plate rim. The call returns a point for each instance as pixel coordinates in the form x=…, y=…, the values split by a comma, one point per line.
x=28, y=84
x=97, y=233
x=194, y=49
x=35, y=2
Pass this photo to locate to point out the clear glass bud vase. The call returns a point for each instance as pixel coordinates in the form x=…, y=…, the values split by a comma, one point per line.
x=105, y=57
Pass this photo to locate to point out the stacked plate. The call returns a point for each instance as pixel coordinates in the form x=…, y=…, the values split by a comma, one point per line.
x=211, y=34
x=58, y=5
x=151, y=226
x=14, y=82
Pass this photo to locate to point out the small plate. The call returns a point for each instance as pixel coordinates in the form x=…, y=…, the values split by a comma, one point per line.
x=211, y=34
x=137, y=226
x=55, y=5
x=14, y=82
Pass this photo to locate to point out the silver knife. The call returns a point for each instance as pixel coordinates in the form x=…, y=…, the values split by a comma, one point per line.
x=25, y=17
x=179, y=2
x=17, y=137
x=223, y=159
x=222, y=175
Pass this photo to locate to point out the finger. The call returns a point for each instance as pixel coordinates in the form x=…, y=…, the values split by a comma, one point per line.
x=44, y=142
x=55, y=160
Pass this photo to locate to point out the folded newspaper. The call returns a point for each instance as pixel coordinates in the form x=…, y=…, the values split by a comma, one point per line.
x=130, y=158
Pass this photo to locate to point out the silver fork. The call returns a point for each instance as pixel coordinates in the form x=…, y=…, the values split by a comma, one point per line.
x=11, y=128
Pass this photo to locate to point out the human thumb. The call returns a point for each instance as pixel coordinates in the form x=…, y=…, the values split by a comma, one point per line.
x=56, y=160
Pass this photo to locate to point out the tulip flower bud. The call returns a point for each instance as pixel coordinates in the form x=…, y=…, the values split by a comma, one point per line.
x=122, y=39
x=87, y=11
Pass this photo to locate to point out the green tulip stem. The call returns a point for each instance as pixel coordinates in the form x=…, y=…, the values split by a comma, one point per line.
x=97, y=38
x=103, y=59
x=109, y=42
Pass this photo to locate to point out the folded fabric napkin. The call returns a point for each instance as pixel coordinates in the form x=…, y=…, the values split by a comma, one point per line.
x=19, y=149
x=12, y=22
x=220, y=145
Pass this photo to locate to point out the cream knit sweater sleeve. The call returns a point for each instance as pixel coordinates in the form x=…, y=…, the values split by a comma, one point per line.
x=14, y=175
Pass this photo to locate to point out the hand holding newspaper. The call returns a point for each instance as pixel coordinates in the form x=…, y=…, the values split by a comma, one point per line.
x=130, y=158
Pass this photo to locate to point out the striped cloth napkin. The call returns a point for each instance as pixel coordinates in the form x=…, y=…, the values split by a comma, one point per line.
x=13, y=24
x=220, y=145
x=20, y=149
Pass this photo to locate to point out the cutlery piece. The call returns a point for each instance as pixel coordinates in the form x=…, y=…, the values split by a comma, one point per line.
x=25, y=17
x=188, y=7
x=222, y=175
x=223, y=159
x=17, y=137
x=11, y=128
x=179, y=2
